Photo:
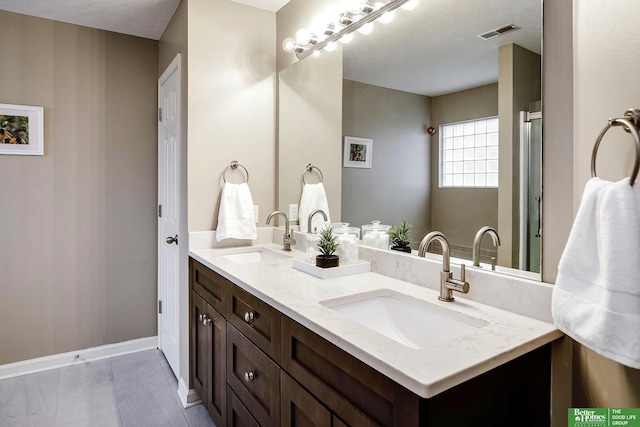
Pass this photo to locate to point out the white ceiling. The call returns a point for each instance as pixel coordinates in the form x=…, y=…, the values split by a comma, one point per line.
x=142, y=18
x=433, y=50
x=270, y=5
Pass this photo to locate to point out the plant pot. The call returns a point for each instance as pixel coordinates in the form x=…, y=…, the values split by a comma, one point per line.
x=327, y=261
x=406, y=249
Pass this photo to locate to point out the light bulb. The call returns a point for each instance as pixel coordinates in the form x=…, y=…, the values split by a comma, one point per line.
x=346, y=38
x=303, y=36
x=366, y=28
x=288, y=45
x=315, y=54
x=410, y=5
x=331, y=46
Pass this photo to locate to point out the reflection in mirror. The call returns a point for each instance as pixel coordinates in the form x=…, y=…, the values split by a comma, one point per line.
x=427, y=69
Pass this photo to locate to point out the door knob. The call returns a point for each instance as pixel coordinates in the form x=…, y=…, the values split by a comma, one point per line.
x=171, y=240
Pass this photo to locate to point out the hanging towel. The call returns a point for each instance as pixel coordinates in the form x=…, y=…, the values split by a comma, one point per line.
x=236, y=219
x=596, y=300
x=313, y=197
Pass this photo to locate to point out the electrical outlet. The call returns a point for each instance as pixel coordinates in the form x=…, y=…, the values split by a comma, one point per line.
x=255, y=212
x=293, y=212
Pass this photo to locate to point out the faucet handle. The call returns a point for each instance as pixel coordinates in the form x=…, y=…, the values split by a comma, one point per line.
x=290, y=238
x=458, y=285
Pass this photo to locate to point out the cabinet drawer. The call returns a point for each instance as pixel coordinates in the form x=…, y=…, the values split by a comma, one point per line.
x=298, y=408
x=209, y=285
x=355, y=392
x=257, y=320
x=254, y=378
x=237, y=414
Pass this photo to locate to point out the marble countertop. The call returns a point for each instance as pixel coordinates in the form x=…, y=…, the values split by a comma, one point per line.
x=425, y=372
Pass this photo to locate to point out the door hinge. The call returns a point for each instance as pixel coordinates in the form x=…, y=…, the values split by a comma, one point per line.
x=159, y=211
x=159, y=306
x=159, y=114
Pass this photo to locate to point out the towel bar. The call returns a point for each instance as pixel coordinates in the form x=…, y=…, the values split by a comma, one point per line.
x=310, y=168
x=631, y=123
x=234, y=165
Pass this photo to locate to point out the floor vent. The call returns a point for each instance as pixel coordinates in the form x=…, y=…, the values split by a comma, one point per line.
x=499, y=31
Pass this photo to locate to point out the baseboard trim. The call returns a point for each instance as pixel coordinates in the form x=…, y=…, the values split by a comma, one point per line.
x=188, y=397
x=60, y=360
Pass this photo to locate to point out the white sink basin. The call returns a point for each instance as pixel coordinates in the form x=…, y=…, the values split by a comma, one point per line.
x=410, y=321
x=250, y=255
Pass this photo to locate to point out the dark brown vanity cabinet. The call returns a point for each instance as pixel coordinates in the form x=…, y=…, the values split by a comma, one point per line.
x=208, y=349
x=299, y=408
x=209, y=357
x=253, y=366
x=356, y=393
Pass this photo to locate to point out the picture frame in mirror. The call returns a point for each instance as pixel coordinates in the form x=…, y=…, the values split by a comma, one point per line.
x=358, y=152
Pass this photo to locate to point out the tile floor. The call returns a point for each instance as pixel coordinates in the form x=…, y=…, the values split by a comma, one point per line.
x=137, y=390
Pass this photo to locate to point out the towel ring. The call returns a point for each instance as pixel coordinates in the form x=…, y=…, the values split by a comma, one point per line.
x=310, y=168
x=234, y=165
x=630, y=122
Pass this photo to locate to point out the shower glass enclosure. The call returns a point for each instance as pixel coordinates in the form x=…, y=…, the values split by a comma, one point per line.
x=530, y=190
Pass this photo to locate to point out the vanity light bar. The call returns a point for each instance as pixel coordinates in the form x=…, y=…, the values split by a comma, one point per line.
x=371, y=14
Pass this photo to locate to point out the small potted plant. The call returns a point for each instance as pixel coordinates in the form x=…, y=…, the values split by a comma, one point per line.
x=399, y=236
x=327, y=246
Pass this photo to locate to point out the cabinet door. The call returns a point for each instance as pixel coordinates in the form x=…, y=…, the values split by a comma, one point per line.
x=200, y=347
x=237, y=414
x=298, y=408
x=218, y=366
x=209, y=357
x=354, y=391
x=254, y=378
x=337, y=422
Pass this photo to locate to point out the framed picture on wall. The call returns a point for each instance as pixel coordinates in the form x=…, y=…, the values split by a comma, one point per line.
x=357, y=152
x=21, y=130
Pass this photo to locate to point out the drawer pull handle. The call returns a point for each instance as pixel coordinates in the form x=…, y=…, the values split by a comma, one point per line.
x=248, y=316
x=201, y=317
x=249, y=376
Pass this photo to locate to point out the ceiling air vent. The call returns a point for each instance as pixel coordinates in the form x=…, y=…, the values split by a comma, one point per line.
x=498, y=31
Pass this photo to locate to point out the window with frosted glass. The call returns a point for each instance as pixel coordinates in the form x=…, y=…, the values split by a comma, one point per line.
x=469, y=153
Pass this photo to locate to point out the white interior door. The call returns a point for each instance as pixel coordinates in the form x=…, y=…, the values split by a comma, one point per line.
x=169, y=212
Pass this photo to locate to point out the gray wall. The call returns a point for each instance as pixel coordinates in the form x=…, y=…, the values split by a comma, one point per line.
x=231, y=102
x=310, y=118
x=460, y=212
x=398, y=184
x=603, y=63
x=78, y=257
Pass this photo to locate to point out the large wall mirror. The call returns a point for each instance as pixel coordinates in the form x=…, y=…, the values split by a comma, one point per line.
x=428, y=68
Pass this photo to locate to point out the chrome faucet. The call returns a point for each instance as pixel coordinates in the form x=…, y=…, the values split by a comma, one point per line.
x=320, y=211
x=476, y=243
x=288, y=239
x=447, y=283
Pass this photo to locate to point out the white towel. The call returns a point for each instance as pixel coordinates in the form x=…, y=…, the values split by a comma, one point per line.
x=596, y=300
x=313, y=197
x=236, y=219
